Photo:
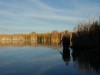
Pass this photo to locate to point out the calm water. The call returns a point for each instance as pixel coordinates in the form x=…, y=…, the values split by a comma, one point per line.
x=42, y=60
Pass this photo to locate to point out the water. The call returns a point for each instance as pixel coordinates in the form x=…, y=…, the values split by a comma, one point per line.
x=41, y=60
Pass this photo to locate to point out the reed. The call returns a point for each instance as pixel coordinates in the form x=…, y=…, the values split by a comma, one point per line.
x=87, y=36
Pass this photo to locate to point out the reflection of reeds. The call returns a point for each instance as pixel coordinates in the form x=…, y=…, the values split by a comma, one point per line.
x=87, y=60
x=87, y=36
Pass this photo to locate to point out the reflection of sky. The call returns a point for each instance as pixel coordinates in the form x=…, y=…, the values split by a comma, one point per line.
x=18, y=60
x=25, y=16
x=34, y=61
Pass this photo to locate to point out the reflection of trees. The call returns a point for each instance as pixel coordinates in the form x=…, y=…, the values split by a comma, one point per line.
x=27, y=43
x=18, y=43
x=87, y=60
x=44, y=38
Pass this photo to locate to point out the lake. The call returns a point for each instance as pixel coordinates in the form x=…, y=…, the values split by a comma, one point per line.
x=43, y=60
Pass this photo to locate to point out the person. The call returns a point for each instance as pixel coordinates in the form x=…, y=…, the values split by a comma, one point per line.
x=65, y=40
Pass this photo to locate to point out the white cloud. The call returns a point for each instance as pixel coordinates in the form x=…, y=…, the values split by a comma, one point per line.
x=36, y=12
x=54, y=17
x=6, y=14
x=45, y=7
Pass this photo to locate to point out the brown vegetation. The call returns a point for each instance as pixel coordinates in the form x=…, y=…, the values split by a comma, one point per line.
x=87, y=36
x=52, y=38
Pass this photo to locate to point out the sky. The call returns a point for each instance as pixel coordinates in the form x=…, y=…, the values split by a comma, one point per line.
x=26, y=16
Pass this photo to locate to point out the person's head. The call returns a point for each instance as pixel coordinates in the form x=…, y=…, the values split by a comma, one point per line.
x=66, y=34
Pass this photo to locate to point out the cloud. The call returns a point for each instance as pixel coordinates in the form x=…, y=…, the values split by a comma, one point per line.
x=45, y=7
x=5, y=14
x=37, y=13
x=54, y=17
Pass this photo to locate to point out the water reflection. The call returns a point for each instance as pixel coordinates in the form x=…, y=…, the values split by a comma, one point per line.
x=27, y=43
x=66, y=55
x=87, y=60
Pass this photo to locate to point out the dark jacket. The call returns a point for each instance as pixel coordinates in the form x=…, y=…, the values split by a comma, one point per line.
x=66, y=40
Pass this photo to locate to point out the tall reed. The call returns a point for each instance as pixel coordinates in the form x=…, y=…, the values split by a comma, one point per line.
x=87, y=36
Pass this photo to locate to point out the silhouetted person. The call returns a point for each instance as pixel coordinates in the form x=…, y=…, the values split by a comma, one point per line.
x=66, y=55
x=65, y=40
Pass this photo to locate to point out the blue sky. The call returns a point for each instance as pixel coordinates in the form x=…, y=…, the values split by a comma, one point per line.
x=26, y=16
